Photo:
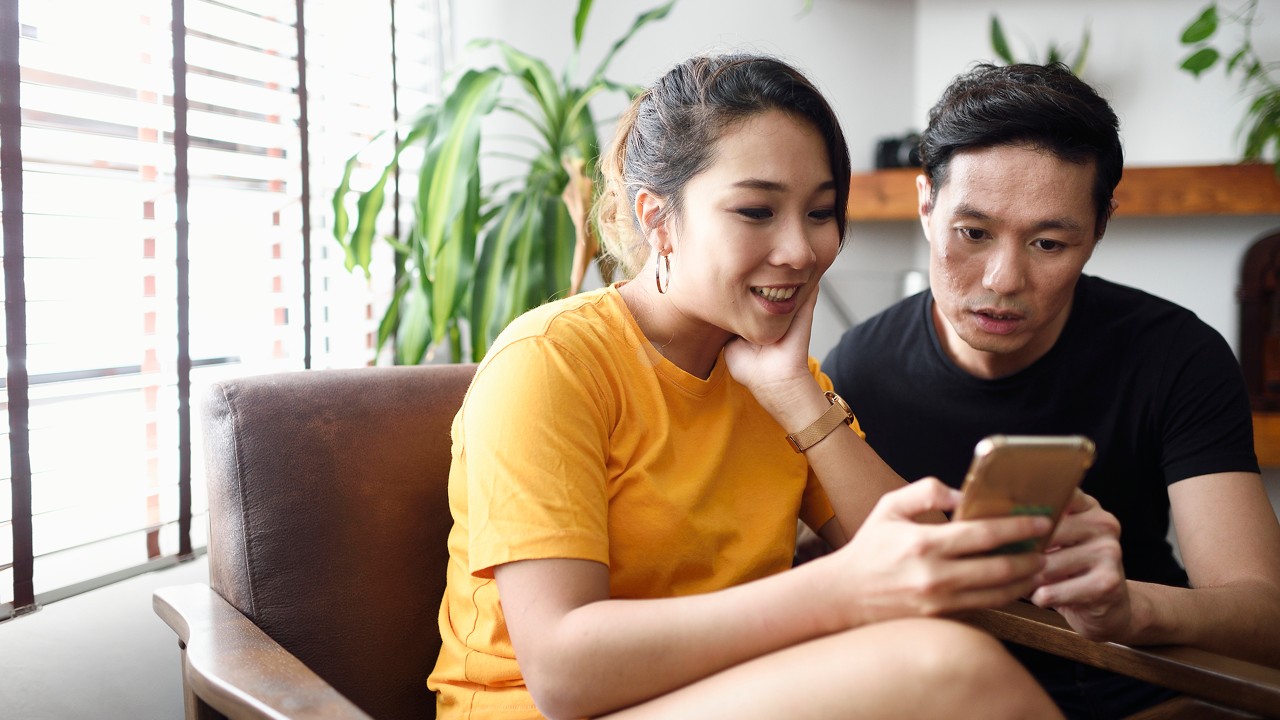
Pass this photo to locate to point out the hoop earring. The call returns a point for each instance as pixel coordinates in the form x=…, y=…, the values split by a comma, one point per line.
x=657, y=273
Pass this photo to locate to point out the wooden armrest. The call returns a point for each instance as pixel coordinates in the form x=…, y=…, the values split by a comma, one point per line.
x=1229, y=682
x=236, y=668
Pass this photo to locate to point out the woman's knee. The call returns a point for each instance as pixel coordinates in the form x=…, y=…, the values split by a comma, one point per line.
x=961, y=667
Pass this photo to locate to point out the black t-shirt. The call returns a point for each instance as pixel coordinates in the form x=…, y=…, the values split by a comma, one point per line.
x=1157, y=390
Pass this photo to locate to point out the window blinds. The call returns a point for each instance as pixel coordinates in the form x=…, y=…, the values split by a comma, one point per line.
x=171, y=229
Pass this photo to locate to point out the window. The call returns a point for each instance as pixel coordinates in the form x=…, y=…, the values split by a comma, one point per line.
x=163, y=230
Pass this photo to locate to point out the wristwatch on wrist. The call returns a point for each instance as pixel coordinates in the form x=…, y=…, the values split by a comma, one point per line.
x=839, y=413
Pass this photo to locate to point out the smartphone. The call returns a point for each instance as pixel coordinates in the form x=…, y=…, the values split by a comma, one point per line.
x=1024, y=475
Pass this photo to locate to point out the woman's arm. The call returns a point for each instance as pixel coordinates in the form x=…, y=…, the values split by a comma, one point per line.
x=582, y=653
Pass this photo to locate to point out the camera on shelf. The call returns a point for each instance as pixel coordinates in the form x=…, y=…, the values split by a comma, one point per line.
x=896, y=152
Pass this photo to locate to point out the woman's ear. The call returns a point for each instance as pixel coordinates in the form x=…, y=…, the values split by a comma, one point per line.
x=649, y=213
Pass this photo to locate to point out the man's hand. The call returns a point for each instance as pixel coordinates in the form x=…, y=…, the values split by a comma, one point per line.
x=1084, y=577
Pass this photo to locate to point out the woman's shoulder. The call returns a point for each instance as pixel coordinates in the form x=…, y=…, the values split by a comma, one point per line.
x=586, y=325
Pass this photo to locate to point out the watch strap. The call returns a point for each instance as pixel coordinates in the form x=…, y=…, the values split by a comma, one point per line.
x=835, y=416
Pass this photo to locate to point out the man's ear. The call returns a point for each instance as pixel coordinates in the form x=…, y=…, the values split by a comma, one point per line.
x=648, y=212
x=924, y=201
x=1102, y=227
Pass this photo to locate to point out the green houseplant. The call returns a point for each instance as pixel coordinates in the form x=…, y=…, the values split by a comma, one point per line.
x=1260, y=127
x=1053, y=53
x=477, y=255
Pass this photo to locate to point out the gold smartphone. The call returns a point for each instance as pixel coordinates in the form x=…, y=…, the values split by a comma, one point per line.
x=1024, y=475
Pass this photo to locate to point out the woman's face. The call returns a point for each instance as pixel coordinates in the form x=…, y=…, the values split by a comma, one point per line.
x=756, y=231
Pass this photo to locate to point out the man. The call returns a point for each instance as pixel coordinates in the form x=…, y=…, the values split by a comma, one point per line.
x=1019, y=167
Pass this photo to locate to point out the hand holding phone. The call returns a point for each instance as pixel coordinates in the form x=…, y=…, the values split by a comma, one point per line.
x=1024, y=475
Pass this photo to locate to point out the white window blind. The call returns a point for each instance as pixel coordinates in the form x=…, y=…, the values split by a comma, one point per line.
x=173, y=230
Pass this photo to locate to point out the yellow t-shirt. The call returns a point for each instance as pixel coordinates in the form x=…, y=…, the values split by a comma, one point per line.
x=577, y=439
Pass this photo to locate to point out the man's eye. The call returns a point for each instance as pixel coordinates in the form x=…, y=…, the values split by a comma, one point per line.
x=1049, y=245
x=756, y=213
x=972, y=233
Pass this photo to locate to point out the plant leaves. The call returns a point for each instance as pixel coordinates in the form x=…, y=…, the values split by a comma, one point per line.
x=580, y=21
x=454, y=156
x=1077, y=67
x=999, y=43
x=453, y=267
x=641, y=20
x=489, y=288
x=1203, y=27
x=1235, y=59
x=1200, y=60
x=391, y=317
x=414, y=333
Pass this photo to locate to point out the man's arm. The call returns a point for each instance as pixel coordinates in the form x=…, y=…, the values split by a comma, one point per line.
x=1230, y=543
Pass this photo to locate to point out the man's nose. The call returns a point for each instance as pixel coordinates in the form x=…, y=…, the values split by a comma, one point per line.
x=1005, y=272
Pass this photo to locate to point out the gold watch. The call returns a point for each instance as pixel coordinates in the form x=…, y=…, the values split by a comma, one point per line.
x=838, y=414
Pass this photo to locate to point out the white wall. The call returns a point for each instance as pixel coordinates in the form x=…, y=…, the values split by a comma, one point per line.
x=884, y=64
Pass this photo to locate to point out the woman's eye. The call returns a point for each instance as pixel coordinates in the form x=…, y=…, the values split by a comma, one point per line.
x=755, y=213
x=823, y=214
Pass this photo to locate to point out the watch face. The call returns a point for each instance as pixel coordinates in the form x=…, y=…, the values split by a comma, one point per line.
x=837, y=400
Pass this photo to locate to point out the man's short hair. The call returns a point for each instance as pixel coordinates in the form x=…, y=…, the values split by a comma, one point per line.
x=1044, y=106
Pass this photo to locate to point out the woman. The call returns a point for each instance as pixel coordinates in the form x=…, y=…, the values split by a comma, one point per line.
x=629, y=464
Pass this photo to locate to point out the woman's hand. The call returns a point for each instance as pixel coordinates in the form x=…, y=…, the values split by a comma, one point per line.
x=896, y=567
x=777, y=374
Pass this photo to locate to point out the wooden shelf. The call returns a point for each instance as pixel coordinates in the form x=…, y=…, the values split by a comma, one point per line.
x=1247, y=189
x=1266, y=438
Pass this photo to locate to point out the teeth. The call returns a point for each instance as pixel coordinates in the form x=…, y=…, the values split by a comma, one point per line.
x=775, y=294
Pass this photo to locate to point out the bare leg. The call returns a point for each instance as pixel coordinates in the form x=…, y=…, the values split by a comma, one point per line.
x=903, y=668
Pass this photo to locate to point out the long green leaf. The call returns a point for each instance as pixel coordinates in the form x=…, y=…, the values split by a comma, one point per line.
x=534, y=74
x=391, y=317
x=558, y=234
x=454, y=155
x=368, y=207
x=999, y=43
x=489, y=289
x=414, y=333
x=453, y=267
x=359, y=247
x=641, y=20
x=580, y=21
x=1077, y=67
x=341, y=220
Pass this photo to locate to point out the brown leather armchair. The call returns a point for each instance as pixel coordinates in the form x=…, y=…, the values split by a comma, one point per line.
x=328, y=522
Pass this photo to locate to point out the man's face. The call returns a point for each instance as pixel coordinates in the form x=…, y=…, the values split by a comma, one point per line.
x=1009, y=232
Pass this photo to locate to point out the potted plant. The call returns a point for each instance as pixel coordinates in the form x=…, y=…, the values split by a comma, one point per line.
x=477, y=255
x=1053, y=54
x=1260, y=126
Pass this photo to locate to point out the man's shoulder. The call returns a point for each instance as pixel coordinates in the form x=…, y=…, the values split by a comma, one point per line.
x=901, y=317
x=879, y=338
x=1129, y=309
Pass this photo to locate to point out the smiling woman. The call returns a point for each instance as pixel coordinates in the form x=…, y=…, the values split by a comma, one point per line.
x=644, y=526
